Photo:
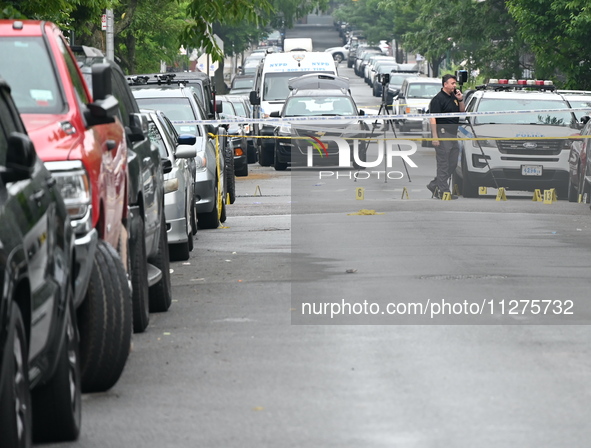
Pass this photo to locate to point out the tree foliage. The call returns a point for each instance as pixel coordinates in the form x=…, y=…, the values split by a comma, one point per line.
x=558, y=32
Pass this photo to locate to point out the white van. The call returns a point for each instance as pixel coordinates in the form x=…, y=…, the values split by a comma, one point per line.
x=271, y=89
x=297, y=44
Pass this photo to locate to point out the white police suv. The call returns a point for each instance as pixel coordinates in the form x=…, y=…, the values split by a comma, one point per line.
x=521, y=143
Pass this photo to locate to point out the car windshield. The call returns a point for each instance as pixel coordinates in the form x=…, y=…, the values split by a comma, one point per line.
x=578, y=104
x=398, y=79
x=176, y=109
x=423, y=90
x=240, y=109
x=242, y=83
x=561, y=117
x=23, y=59
x=275, y=86
x=306, y=106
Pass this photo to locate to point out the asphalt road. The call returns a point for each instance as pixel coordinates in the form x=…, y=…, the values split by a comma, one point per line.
x=230, y=366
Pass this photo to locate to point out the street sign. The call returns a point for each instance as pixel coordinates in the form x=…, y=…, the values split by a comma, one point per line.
x=104, y=22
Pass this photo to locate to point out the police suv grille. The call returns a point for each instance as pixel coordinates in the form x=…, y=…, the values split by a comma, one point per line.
x=530, y=147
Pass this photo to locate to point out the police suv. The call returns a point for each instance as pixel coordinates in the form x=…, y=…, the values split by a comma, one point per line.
x=520, y=143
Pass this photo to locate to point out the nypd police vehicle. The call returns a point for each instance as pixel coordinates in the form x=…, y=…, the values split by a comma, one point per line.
x=524, y=150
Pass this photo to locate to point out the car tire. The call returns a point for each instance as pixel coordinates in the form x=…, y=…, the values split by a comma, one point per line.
x=457, y=180
x=230, y=175
x=105, y=322
x=468, y=189
x=242, y=172
x=161, y=292
x=251, y=154
x=193, y=216
x=180, y=251
x=139, y=274
x=265, y=156
x=338, y=57
x=573, y=194
x=16, y=417
x=279, y=166
x=211, y=220
x=57, y=405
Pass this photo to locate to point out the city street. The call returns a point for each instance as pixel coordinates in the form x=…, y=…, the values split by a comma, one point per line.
x=236, y=363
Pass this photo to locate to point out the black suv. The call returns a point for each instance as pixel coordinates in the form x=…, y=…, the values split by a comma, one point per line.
x=148, y=258
x=40, y=379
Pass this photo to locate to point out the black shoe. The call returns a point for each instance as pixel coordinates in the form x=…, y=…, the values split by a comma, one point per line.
x=433, y=191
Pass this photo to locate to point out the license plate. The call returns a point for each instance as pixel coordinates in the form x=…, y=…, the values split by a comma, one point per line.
x=531, y=170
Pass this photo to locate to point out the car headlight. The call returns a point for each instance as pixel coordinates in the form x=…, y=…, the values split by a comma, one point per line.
x=74, y=184
x=484, y=143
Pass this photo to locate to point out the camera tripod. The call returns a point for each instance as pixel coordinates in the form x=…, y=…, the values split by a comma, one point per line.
x=388, y=123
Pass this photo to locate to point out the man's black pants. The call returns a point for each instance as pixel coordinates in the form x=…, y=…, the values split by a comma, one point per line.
x=447, y=154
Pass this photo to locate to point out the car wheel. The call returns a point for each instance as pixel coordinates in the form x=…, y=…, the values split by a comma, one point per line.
x=572, y=190
x=265, y=155
x=242, y=172
x=193, y=218
x=139, y=274
x=16, y=418
x=105, y=322
x=468, y=189
x=338, y=57
x=457, y=180
x=251, y=154
x=57, y=405
x=161, y=292
x=230, y=175
x=279, y=166
x=181, y=251
x=211, y=220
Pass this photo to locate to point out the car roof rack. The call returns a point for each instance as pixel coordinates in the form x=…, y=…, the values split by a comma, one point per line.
x=166, y=78
x=318, y=81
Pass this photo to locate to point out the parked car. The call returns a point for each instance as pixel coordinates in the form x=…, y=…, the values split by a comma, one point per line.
x=517, y=161
x=237, y=135
x=318, y=95
x=83, y=144
x=40, y=379
x=414, y=97
x=180, y=103
x=178, y=183
x=242, y=85
x=578, y=99
x=243, y=108
x=339, y=54
x=393, y=87
x=148, y=258
x=579, y=163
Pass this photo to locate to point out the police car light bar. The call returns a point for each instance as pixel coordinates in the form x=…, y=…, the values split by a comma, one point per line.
x=505, y=84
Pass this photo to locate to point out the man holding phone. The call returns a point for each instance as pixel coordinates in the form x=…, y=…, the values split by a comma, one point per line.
x=448, y=100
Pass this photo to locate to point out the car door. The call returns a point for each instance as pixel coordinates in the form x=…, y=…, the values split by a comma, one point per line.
x=27, y=210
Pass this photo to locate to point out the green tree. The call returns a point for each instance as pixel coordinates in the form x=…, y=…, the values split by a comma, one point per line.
x=558, y=32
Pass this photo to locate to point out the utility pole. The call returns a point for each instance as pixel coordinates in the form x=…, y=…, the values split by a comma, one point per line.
x=110, y=35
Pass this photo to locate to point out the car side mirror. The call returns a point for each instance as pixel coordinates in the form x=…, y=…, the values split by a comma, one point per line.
x=254, y=98
x=166, y=165
x=585, y=119
x=101, y=81
x=361, y=112
x=186, y=139
x=185, y=152
x=20, y=158
x=275, y=114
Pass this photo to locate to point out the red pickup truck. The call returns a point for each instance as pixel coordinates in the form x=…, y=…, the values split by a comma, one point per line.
x=83, y=144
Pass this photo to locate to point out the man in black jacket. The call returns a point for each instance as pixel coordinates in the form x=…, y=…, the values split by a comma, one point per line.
x=448, y=100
